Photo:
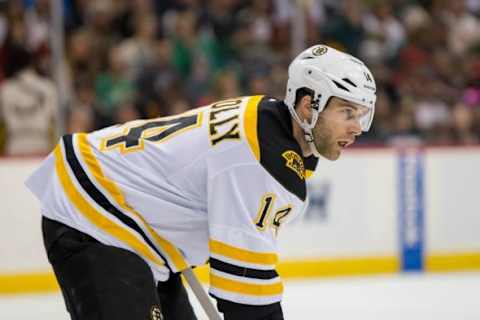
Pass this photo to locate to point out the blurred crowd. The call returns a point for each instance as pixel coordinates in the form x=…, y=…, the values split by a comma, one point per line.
x=128, y=59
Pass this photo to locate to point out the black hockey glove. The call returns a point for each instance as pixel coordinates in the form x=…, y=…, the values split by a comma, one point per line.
x=237, y=311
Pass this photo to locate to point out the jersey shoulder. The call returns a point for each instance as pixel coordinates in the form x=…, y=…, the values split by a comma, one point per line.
x=274, y=146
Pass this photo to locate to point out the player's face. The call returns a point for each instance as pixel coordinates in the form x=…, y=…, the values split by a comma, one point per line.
x=337, y=126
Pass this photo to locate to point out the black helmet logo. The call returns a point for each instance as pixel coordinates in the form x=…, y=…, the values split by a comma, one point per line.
x=320, y=50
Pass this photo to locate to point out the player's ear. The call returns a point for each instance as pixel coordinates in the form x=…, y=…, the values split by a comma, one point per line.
x=304, y=107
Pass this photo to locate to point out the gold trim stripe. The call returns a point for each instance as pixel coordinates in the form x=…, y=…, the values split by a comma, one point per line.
x=338, y=267
x=452, y=262
x=309, y=174
x=96, y=217
x=272, y=289
x=250, y=125
x=38, y=282
x=316, y=268
x=110, y=186
x=238, y=254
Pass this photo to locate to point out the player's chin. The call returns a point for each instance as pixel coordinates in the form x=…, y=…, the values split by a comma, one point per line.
x=333, y=154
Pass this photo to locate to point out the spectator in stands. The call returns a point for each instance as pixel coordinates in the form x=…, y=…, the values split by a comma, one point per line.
x=226, y=84
x=28, y=100
x=410, y=46
x=138, y=51
x=112, y=87
x=346, y=30
x=37, y=20
x=158, y=82
x=385, y=33
x=462, y=125
x=83, y=114
x=82, y=57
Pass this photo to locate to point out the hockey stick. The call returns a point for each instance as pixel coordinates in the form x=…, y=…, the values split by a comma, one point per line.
x=202, y=297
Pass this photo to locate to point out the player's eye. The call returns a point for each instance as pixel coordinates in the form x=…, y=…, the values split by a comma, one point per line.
x=349, y=113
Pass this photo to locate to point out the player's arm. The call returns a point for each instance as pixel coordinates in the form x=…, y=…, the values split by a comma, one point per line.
x=243, y=252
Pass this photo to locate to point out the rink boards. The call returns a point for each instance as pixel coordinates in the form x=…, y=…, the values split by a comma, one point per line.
x=372, y=211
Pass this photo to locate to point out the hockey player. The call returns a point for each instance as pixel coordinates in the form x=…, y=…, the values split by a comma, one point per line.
x=128, y=207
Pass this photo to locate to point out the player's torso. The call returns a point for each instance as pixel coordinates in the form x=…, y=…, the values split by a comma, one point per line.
x=162, y=166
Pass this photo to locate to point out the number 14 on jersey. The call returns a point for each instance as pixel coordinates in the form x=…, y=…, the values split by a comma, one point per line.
x=264, y=217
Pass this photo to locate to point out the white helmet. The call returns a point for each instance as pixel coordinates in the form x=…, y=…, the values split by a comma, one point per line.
x=326, y=72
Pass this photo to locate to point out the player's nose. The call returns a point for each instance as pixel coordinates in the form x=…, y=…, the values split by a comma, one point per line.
x=355, y=128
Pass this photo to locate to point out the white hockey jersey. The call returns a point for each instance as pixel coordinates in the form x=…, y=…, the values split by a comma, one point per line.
x=214, y=184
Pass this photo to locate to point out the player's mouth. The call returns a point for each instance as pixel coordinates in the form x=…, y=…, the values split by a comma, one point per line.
x=344, y=143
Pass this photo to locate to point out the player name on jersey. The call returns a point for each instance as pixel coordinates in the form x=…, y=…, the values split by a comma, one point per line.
x=224, y=121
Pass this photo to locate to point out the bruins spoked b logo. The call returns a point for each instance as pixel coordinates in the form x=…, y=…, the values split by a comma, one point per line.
x=294, y=162
x=320, y=50
x=156, y=313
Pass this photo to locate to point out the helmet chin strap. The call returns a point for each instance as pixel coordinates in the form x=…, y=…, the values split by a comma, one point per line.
x=308, y=134
x=307, y=128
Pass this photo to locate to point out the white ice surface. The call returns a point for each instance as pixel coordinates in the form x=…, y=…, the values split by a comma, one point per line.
x=406, y=297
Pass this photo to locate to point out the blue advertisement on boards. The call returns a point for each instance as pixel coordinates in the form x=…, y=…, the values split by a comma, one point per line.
x=411, y=210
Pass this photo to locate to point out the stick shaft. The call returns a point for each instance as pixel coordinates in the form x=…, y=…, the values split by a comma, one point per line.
x=202, y=297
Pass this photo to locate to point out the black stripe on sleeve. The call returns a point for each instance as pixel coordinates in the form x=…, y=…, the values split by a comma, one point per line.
x=100, y=198
x=242, y=271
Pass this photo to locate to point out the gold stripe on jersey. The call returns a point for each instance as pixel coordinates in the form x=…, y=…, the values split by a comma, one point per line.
x=250, y=125
x=95, y=169
x=242, y=255
x=271, y=289
x=97, y=218
x=309, y=173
